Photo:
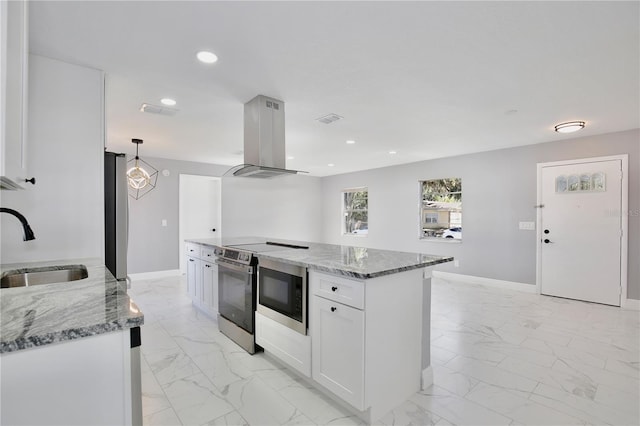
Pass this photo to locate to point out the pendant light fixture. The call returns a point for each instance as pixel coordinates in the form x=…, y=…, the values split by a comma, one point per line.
x=141, y=176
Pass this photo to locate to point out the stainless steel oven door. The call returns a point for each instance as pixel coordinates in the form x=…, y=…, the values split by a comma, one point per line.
x=282, y=294
x=236, y=291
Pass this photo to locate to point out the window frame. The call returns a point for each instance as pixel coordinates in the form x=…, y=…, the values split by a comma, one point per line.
x=344, y=211
x=422, y=218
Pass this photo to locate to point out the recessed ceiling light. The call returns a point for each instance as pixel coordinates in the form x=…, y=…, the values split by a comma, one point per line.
x=291, y=157
x=350, y=142
x=393, y=152
x=330, y=164
x=168, y=101
x=207, y=57
x=570, y=126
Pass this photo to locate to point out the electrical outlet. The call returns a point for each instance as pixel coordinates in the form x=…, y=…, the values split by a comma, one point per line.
x=527, y=226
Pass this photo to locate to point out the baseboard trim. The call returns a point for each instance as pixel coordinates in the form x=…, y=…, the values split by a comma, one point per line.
x=489, y=282
x=154, y=275
x=631, y=304
x=427, y=377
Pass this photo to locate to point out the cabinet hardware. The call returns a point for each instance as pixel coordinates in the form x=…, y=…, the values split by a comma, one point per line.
x=334, y=288
x=333, y=309
x=32, y=181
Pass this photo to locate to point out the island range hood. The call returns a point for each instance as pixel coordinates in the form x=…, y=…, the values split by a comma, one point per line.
x=264, y=150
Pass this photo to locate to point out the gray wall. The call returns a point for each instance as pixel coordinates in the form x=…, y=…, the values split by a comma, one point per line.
x=285, y=207
x=64, y=152
x=499, y=190
x=153, y=247
x=288, y=207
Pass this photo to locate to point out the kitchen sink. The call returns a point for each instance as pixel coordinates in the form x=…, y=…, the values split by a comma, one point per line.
x=43, y=275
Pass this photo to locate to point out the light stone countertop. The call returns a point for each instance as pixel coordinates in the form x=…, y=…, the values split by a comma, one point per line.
x=43, y=314
x=350, y=261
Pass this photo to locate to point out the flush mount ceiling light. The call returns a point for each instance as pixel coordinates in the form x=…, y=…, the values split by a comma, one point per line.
x=350, y=142
x=168, y=101
x=291, y=157
x=330, y=164
x=207, y=57
x=569, y=126
x=393, y=152
x=141, y=179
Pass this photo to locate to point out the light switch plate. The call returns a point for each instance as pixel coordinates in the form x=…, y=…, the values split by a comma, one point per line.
x=527, y=226
x=164, y=222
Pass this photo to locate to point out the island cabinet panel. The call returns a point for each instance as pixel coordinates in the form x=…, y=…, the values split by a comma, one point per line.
x=202, y=278
x=193, y=275
x=338, y=350
x=368, y=350
x=291, y=347
x=210, y=286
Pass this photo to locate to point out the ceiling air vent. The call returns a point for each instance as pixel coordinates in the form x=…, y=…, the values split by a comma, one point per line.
x=156, y=109
x=329, y=118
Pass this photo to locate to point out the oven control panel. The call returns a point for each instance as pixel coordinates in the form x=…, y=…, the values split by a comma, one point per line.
x=237, y=255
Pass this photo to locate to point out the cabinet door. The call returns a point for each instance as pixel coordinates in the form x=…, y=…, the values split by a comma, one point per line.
x=337, y=331
x=13, y=92
x=193, y=273
x=210, y=286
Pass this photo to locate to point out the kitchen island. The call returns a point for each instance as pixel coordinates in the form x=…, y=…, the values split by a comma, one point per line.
x=367, y=343
x=69, y=348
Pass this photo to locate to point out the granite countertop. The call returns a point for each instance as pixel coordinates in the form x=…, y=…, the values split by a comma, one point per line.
x=356, y=262
x=49, y=313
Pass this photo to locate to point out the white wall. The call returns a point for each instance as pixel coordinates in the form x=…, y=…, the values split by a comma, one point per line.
x=64, y=153
x=288, y=207
x=499, y=190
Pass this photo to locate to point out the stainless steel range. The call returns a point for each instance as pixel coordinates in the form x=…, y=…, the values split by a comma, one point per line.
x=237, y=287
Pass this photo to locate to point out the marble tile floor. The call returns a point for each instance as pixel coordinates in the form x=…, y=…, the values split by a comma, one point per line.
x=499, y=357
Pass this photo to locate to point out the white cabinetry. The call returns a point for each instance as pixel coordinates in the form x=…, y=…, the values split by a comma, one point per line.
x=367, y=338
x=202, y=278
x=14, y=49
x=338, y=350
x=87, y=381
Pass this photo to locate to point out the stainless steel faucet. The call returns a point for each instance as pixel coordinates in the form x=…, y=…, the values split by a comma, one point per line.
x=28, y=233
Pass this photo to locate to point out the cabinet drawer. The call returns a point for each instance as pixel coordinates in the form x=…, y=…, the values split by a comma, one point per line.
x=207, y=253
x=193, y=250
x=343, y=290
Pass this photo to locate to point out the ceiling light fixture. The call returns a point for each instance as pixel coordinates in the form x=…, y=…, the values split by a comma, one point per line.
x=291, y=157
x=141, y=180
x=330, y=164
x=168, y=101
x=350, y=142
x=393, y=152
x=207, y=57
x=569, y=126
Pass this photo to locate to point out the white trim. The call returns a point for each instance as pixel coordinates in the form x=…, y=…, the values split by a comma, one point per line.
x=427, y=377
x=624, y=222
x=630, y=304
x=154, y=275
x=489, y=282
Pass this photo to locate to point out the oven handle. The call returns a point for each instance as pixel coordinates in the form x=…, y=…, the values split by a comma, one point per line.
x=235, y=267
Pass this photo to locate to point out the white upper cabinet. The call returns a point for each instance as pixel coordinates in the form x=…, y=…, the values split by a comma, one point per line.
x=13, y=93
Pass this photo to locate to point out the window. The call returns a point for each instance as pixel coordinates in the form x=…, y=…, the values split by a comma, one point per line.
x=355, y=204
x=441, y=208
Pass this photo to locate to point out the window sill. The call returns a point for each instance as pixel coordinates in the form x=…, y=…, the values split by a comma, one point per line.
x=441, y=240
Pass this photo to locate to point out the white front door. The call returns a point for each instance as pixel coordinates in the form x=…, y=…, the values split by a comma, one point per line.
x=199, y=210
x=580, y=230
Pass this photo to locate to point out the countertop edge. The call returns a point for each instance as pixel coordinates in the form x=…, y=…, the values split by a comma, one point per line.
x=68, y=335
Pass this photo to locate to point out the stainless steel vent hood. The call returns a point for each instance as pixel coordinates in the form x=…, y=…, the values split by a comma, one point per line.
x=264, y=150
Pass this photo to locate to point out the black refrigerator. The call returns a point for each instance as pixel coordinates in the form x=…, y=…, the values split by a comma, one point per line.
x=116, y=214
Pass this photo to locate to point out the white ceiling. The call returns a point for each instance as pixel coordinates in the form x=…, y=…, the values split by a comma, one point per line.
x=426, y=79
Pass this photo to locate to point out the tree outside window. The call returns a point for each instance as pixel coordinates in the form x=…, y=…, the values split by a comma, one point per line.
x=355, y=205
x=441, y=208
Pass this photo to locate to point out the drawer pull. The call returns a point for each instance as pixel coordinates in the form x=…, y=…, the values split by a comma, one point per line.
x=333, y=309
x=334, y=288
x=191, y=260
x=208, y=266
